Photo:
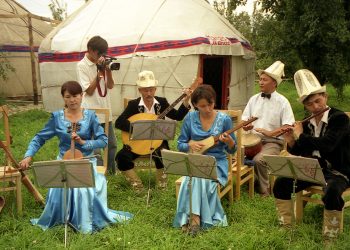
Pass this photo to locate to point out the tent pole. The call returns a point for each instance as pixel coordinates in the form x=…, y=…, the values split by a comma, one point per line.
x=32, y=61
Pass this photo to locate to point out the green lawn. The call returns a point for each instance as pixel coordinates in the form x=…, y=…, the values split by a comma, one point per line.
x=252, y=222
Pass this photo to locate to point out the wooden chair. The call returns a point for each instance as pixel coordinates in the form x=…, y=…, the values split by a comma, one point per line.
x=105, y=112
x=308, y=195
x=241, y=172
x=8, y=174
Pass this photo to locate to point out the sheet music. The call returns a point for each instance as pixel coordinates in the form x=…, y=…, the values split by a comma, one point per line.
x=78, y=173
x=152, y=129
x=301, y=168
x=195, y=165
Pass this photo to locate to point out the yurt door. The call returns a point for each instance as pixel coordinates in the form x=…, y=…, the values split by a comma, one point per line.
x=215, y=71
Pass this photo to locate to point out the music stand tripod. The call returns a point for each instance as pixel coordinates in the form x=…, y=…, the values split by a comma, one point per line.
x=191, y=165
x=296, y=168
x=152, y=130
x=64, y=174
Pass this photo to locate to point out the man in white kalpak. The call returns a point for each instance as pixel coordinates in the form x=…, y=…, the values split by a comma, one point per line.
x=325, y=137
x=273, y=111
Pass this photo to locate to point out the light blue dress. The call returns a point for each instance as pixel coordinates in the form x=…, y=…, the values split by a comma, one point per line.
x=87, y=207
x=205, y=200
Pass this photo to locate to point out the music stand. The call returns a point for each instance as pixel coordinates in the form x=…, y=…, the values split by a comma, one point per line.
x=64, y=174
x=191, y=165
x=152, y=130
x=296, y=168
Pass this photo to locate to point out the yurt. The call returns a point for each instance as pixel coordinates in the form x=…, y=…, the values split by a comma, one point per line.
x=176, y=39
x=20, y=30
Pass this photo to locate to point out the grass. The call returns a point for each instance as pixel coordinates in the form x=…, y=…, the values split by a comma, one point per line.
x=252, y=222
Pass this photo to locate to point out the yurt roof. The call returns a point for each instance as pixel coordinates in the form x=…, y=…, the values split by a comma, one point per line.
x=145, y=27
x=14, y=27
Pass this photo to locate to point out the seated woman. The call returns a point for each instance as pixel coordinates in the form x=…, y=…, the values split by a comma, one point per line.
x=198, y=125
x=87, y=207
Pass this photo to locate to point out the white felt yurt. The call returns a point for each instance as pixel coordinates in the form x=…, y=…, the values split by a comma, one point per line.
x=20, y=30
x=176, y=39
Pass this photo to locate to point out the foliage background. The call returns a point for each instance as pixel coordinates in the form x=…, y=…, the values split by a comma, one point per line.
x=313, y=34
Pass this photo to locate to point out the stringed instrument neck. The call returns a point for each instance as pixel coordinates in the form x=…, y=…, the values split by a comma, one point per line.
x=212, y=140
x=72, y=153
x=171, y=106
x=240, y=125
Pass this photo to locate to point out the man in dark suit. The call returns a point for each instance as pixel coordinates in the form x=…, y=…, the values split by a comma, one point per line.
x=325, y=137
x=147, y=103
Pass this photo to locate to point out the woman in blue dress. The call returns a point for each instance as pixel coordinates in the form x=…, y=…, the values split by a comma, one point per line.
x=87, y=207
x=198, y=125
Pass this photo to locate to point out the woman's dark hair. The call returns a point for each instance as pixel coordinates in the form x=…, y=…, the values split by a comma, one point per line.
x=72, y=87
x=204, y=91
x=98, y=43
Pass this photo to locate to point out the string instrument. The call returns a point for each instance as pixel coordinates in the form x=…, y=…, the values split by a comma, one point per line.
x=73, y=153
x=213, y=140
x=144, y=147
x=284, y=130
x=24, y=178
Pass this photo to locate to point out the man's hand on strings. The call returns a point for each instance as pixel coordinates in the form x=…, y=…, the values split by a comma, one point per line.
x=248, y=127
x=188, y=93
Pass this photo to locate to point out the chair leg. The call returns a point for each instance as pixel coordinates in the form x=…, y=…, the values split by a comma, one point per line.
x=251, y=187
x=299, y=207
x=238, y=189
x=230, y=195
x=19, y=195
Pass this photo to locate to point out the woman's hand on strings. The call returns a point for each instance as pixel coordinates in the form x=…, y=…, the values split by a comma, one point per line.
x=227, y=139
x=77, y=138
x=24, y=164
x=195, y=146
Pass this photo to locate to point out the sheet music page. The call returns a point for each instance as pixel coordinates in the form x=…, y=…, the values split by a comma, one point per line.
x=80, y=175
x=301, y=168
x=77, y=173
x=153, y=129
x=179, y=163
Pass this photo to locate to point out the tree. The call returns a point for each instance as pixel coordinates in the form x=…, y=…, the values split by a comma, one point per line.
x=317, y=32
x=58, y=9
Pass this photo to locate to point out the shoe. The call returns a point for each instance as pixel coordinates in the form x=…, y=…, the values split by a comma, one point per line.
x=265, y=195
x=194, y=230
x=185, y=228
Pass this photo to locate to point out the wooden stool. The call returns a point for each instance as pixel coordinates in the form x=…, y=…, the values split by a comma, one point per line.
x=12, y=175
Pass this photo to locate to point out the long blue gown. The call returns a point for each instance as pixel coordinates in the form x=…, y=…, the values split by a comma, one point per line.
x=87, y=207
x=205, y=200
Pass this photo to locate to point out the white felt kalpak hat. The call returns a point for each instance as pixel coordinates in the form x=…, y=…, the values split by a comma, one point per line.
x=307, y=84
x=276, y=71
x=146, y=79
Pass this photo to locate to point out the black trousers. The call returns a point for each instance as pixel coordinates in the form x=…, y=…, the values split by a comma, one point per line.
x=333, y=191
x=125, y=157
